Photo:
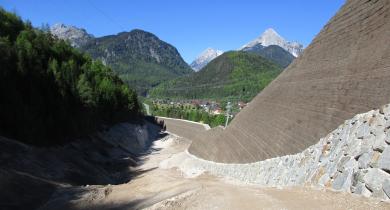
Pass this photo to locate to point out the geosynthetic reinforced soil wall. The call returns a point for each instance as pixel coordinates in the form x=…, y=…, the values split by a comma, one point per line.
x=344, y=71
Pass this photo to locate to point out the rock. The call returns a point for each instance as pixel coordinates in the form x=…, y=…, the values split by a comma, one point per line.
x=361, y=189
x=76, y=36
x=379, y=143
x=380, y=194
x=374, y=179
x=367, y=144
x=376, y=122
x=363, y=131
x=351, y=165
x=354, y=148
x=331, y=169
x=343, y=181
x=374, y=159
x=384, y=161
x=323, y=180
x=386, y=187
x=343, y=161
x=364, y=160
x=385, y=110
x=359, y=176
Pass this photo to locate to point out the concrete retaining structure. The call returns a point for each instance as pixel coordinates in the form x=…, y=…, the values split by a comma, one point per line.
x=184, y=128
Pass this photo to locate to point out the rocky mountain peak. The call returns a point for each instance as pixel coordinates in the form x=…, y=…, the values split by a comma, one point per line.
x=76, y=36
x=204, y=58
x=271, y=37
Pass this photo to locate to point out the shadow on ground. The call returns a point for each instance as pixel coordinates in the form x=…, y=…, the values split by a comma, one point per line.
x=30, y=176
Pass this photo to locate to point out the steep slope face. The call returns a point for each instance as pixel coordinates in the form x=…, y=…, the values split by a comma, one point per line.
x=344, y=71
x=30, y=176
x=271, y=37
x=274, y=53
x=353, y=158
x=234, y=74
x=204, y=58
x=76, y=36
x=140, y=58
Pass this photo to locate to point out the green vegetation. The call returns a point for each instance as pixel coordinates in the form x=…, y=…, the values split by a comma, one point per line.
x=188, y=112
x=233, y=76
x=274, y=53
x=140, y=58
x=50, y=92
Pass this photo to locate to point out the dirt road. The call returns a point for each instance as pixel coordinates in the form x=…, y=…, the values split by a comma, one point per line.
x=157, y=188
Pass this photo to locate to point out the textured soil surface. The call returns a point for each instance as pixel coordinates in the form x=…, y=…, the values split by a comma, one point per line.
x=157, y=188
x=344, y=71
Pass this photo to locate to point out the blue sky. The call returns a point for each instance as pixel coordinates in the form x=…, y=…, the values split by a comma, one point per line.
x=189, y=25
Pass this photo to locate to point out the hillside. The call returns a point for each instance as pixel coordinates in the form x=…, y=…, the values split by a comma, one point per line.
x=344, y=71
x=140, y=58
x=51, y=92
x=238, y=75
x=274, y=53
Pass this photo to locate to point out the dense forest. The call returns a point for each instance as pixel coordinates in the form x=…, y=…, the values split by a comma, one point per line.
x=233, y=76
x=50, y=92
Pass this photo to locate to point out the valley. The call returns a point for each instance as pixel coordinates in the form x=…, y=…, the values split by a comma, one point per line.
x=103, y=114
x=161, y=188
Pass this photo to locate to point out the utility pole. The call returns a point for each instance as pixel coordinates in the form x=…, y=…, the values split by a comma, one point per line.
x=228, y=107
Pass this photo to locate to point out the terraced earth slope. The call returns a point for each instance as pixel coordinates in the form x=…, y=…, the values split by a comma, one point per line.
x=344, y=71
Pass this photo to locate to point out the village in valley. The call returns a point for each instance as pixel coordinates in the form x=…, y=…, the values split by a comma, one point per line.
x=205, y=111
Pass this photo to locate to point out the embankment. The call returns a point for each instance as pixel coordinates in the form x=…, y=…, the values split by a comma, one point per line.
x=354, y=158
x=29, y=175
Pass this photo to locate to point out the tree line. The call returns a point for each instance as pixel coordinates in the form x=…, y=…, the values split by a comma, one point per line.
x=193, y=114
x=51, y=92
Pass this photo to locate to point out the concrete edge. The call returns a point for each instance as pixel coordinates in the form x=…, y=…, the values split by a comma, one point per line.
x=206, y=126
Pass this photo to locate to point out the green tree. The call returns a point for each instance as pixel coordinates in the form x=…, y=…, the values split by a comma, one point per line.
x=51, y=92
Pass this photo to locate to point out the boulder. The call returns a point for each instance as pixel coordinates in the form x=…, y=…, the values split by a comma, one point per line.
x=343, y=181
x=361, y=189
x=379, y=143
x=375, y=178
x=384, y=161
x=386, y=187
x=364, y=160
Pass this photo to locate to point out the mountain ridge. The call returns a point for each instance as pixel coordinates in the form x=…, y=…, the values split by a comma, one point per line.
x=271, y=37
x=76, y=36
x=274, y=53
x=139, y=57
x=236, y=75
x=204, y=58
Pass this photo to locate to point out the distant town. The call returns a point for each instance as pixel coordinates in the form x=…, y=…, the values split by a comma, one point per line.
x=205, y=111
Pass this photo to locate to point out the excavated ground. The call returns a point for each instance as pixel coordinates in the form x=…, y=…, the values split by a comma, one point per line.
x=158, y=188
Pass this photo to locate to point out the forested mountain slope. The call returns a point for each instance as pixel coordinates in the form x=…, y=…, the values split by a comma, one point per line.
x=274, y=53
x=239, y=75
x=140, y=58
x=50, y=91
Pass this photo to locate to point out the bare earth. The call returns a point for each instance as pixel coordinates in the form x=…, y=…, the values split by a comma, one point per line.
x=157, y=188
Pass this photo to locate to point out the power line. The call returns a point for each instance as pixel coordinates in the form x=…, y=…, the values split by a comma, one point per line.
x=105, y=15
